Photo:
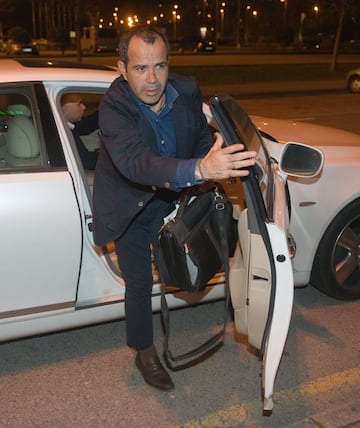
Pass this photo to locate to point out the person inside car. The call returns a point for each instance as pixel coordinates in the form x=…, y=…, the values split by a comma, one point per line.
x=73, y=109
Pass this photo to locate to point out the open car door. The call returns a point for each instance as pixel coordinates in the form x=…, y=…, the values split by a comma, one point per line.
x=261, y=277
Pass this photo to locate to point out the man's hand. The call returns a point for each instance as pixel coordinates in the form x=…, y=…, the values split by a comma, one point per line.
x=224, y=162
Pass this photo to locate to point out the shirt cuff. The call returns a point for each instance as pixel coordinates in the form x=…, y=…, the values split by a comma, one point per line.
x=185, y=174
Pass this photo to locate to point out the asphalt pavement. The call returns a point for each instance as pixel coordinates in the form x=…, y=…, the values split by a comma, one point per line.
x=276, y=87
x=86, y=378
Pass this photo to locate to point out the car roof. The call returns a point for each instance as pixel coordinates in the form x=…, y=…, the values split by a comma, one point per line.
x=21, y=70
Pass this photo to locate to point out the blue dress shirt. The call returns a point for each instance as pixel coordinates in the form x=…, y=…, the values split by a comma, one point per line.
x=163, y=126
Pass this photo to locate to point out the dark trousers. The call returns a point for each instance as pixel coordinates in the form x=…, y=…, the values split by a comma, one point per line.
x=133, y=249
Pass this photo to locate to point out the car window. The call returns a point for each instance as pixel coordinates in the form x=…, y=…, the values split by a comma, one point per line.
x=20, y=142
x=29, y=138
x=91, y=139
x=236, y=126
x=263, y=171
x=79, y=109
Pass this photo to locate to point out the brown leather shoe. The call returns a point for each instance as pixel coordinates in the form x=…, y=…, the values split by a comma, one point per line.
x=154, y=373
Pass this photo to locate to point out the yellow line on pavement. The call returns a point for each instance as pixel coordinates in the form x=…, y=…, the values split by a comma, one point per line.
x=234, y=415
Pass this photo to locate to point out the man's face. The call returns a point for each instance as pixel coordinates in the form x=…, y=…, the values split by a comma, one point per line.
x=73, y=111
x=147, y=71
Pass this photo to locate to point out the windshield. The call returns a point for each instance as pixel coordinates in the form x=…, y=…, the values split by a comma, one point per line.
x=236, y=127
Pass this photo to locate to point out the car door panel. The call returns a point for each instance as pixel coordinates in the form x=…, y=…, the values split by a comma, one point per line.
x=239, y=273
x=259, y=291
x=281, y=312
x=40, y=220
x=40, y=228
x=261, y=268
x=250, y=265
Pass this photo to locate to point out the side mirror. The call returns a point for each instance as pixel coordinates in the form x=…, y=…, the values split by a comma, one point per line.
x=300, y=160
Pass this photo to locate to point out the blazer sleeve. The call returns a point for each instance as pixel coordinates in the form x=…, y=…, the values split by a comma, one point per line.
x=88, y=124
x=88, y=158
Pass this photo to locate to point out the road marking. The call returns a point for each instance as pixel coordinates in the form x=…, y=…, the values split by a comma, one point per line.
x=234, y=415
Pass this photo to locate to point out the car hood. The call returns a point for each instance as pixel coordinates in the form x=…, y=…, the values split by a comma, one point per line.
x=306, y=133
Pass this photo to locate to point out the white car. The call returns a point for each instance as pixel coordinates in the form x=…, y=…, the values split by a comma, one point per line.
x=325, y=212
x=353, y=80
x=53, y=277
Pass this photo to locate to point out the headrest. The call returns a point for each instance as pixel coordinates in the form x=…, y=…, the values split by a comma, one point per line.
x=22, y=141
x=19, y=110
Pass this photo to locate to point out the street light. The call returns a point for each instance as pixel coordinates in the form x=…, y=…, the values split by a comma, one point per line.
x=285, y=11
x=176, y=17
x=222, y=23
x=116, y=19
x=222, y=13
x=174, y=23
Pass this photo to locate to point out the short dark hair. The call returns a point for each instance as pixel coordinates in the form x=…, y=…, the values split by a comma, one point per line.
x=148, y=33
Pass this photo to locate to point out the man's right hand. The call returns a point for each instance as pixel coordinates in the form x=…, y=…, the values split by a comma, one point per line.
x=224, y=162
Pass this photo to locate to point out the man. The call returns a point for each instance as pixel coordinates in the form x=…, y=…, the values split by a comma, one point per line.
x=73, y=109
x=156, y=142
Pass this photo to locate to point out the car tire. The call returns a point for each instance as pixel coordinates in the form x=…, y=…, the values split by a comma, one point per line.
x=340, y=247
x=354, y=84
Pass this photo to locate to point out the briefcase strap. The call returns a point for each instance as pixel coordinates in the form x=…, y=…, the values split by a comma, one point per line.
x=215, y=341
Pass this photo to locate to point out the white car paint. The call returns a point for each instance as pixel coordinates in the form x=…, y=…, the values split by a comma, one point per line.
x=308, y=222
x=316, y=202
x=282, y=311
x=52, y=286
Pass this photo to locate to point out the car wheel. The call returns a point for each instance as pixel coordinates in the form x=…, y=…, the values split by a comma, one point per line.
x=336, y=268
x=354, y=84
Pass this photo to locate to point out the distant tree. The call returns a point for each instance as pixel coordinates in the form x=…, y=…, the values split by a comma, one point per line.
x=6, y=7
x=85, y=11
x=56, y=19
x=19, y=35
x=341, y=8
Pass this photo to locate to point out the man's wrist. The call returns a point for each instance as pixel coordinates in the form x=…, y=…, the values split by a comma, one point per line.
x=199, y=174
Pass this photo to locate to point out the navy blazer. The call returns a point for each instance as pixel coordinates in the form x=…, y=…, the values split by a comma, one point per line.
x=129, y=169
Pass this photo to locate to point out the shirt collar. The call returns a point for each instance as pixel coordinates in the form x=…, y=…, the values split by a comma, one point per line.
x=170, y=96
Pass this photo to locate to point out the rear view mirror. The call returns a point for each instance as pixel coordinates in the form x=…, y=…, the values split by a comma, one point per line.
x=300, y=160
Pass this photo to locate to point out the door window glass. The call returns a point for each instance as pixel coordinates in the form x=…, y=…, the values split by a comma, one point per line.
x=80, y=111
x=236, y=126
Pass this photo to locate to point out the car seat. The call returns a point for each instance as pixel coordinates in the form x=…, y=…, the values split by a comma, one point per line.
x=22, y=142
